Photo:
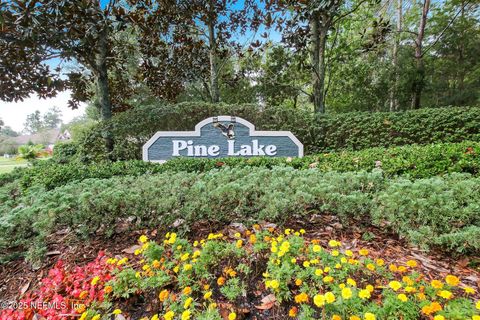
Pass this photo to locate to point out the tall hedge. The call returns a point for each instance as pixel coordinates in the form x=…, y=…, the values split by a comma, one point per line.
x=325, y=133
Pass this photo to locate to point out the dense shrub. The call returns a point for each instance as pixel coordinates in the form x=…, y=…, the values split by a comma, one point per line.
x=414, y=161
x=65, y=152
x=330, y=132
x=435, y=211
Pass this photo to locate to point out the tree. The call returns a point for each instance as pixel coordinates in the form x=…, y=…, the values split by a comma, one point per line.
x=306, y=25
x=33, y=122
x=53, y=118
x=40, y=30
x=8, y=132
x=418, y=84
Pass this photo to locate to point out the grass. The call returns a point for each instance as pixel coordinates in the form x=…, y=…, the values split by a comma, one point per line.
x=7, y=165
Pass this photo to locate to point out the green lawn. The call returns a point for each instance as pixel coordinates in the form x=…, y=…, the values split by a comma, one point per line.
x=7, y=165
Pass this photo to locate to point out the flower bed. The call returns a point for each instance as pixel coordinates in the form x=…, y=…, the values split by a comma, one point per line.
x=258, y=273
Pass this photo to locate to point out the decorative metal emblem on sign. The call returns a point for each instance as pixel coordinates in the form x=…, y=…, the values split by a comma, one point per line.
x=222, y=136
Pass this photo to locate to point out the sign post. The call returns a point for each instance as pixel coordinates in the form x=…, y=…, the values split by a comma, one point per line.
x=220, y=137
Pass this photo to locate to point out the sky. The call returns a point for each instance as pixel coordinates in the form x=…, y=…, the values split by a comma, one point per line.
x=14, y=114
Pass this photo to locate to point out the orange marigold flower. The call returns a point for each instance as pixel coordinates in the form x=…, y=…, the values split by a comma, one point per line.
x=221, y=281
x=298, y=282
x=452, y=280
x=187, y=290
x=293, y=312
x=108, y=289
x=301, y=298
x=83, y=294
x=163, y=295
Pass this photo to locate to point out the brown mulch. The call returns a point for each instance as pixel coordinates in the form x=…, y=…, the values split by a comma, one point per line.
x=17, y=277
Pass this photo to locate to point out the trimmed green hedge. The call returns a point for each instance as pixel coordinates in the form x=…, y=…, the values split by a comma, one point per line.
x=413, y=161
x=324, y=133
x=435, y=211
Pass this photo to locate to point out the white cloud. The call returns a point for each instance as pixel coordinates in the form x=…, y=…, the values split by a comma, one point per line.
x=13, y=114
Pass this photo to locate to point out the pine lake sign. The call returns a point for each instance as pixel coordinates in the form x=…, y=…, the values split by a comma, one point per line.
x=220, y=137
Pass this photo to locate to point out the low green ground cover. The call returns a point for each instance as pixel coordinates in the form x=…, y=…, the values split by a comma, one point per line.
x=437, y=211
x=7, y=165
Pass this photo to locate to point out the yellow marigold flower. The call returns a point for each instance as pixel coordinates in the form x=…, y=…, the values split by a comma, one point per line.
x=319, y=300
x=306, y=264
x=380, y=262
x=338, y=266
x=318, y=272
x=176, y=269
x=407, y=280
x=143, y=239
x=232, y=316
x=207, y=295
x=329, y=297
x=95, y=280
x=402, y=297
x=187, y=290
x=187, y=303
x=346, y=293
x=333, y=243
x=252, y=239
x=239, y=244
x=351, y=282
x=117, y=311
x=412, y=263
x=122, y=261
x=477, y=305
x=186, y=315
x=469, y=290
x=369, y=316
x=395, y=285
x=137, y=252
x=293, y=260
x=421, y=296
x=445, y=294
x=402, y=269
x=156, y=264
x=370, y=267
x=437, y=284
x=317, y=248
x=439, y=317
x=336, y=317
x=298, y=282
x=410, y=289
x=363, y=252
x=237, y=235
x=354, y=318
x=185, y=256
x=335, y=253
x=364, y=294
x=370, y=288
x=187, y=267
x=328, y=279
x=341, y=285
x=83, y=316
x=292, y=313
x=349, y=253
x=173, y=238
x=145, y=267
x=452, y=280
x=302, y=231
x=96, y=317
x=169, y=315
x=326, y=269
x=343, y=260
x=301, y=298
x=392, y=268
x=475, y=317
x=145, y=246
x=163, y=295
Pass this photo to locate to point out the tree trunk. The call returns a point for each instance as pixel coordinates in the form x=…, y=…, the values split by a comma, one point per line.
x=103, y=91
x=420, y=78
x=394, y=90
x=317, y=52
x=214, y=91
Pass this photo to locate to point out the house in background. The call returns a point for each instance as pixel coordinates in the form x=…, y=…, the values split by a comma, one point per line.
x=48, y=138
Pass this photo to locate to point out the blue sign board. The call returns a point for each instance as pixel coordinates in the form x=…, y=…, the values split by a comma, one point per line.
x=219, y=137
